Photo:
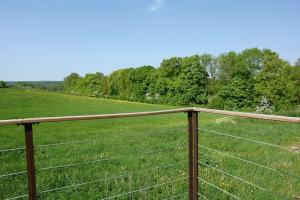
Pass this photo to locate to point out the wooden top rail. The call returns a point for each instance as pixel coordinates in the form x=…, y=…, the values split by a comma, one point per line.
x=138, y=114
x=90, y=117
x=250, y=115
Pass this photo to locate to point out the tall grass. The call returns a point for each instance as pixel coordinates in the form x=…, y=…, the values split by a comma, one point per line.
x=142, y=157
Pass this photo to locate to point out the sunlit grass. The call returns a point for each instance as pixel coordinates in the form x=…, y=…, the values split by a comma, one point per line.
x=150, y=150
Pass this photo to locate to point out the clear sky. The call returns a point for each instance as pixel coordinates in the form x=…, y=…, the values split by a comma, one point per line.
x=47, y=40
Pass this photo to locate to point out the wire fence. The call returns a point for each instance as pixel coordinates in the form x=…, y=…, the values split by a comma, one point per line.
x=89, y=162
x=233, y=176
x=99, y=139
x=164, y=133
x=145, y=188
x=273, y=180
x=218, y=188
x=249, y=140
x=224, y=162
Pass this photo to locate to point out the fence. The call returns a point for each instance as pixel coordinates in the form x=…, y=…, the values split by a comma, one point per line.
x=192, y=150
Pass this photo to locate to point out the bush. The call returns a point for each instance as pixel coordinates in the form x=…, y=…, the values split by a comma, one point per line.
x=216, y=102
x=2, y=84
x=237, y=94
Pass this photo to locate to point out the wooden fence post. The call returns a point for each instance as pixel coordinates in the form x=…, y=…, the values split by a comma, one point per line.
x=193, y=154
x=30, y=162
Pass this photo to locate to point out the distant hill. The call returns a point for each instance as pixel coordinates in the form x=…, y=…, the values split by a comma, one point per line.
x=45, y=85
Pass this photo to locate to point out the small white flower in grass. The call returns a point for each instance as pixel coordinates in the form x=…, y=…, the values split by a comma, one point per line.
x=226, y=120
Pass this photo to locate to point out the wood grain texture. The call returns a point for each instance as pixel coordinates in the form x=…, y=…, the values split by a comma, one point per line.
x=138, y=114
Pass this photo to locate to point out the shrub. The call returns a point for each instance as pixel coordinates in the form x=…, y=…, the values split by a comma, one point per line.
x=216, y=102
x=2, y=84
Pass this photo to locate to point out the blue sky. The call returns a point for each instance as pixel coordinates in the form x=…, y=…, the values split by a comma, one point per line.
x=47, y=40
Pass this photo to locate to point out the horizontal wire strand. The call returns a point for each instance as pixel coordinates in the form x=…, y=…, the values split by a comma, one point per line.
x=17, y=197
x=199, y=145
x=96, y=139
x=142, y=189
x=202, y=196
x=106, y=159
x=112, y=177
x=241, y=159
x=233, y=176
x=12, y=149
x=13, y=174
x=247, y=139
x=178, y=195
x=103, y=179
x=24, y=172
x=224, y=191
x=86, y=162
x=86, y=140
x=253, y=163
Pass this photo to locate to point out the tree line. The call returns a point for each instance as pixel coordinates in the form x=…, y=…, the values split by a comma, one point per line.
x=254, y=79
x=56, y=86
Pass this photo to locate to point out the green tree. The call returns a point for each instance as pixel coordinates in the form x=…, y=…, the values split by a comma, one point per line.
x=105, y=86
x=275, y=82
x=298, y=62
x=163, y=79
x=233, y=80
x=2, y=84
x=170, y=68
x=140, y=79
x=162, y=86
x=119, y=84
x=70, y=83
x=245, y=65
x=210, y=64
x=191, y=85
x=91, y=85
x=228, y=68
x=237, y=94
x=237, y=74
x=251, y=62
x=296, y=79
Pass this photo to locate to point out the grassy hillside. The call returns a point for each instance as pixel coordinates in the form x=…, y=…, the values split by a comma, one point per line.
x=113, y=157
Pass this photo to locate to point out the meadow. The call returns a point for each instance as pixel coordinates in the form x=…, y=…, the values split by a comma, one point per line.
x=143, y=157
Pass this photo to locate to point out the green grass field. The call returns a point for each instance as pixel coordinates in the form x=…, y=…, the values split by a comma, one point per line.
x=142, y=157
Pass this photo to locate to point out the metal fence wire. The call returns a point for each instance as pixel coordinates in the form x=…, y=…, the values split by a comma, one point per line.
x=193, y=180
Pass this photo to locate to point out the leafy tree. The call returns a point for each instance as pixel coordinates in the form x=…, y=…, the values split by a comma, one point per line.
x=70, y=83
x=297, y=62
x=250, y=60
x=162, y=86
x=170, y=68
x=244, y=65
x=227, y=63
x=216, y=102
x=105, y=86
x=237, y=72
x=24, y=85
x=140, y=81
x=191, y=85
x=275, y=82
x=2, y=84
x=250, y=79
x=210, y=64
x=91, y=85
x=237, y=94
x=163, y=79
x=119, y=84
x=296, y=79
